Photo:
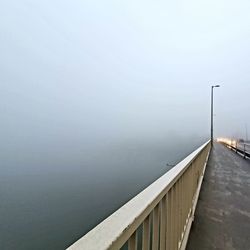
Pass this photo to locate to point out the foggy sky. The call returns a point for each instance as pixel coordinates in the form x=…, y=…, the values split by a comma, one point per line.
x=84, y=71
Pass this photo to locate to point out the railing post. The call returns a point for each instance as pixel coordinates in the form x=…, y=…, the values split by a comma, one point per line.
x=132, y=242
x=163, y=224
x=155, y=240
x=146, y=233
x=168, y=220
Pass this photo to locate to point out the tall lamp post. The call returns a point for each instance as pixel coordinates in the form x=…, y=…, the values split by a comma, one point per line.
x=212, y=112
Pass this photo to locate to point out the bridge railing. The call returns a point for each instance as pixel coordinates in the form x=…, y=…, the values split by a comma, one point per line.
x=239, y=147
x=159, y=217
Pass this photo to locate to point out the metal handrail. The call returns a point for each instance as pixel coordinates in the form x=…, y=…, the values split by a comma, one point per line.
x=239, y=147
x=164, y=210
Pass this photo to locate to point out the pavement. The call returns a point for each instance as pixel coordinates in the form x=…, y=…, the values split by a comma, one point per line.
x=222, y=217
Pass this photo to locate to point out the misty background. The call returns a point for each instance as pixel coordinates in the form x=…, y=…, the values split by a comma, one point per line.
x=96, y=97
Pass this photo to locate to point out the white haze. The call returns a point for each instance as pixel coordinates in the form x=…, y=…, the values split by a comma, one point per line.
x=97, y=96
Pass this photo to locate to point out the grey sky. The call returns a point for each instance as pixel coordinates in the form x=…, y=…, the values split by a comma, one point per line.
x=71, y=71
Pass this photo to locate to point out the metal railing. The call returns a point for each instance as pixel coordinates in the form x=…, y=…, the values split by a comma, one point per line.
x=239, y=147
x=159, y=217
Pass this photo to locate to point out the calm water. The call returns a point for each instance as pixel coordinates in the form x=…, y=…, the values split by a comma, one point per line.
x=49, y=202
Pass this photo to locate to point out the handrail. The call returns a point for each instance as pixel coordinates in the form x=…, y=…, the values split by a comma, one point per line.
x=239, y=147
x=164, y=210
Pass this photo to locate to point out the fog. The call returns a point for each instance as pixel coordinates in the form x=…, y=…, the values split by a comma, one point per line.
x=96, y=97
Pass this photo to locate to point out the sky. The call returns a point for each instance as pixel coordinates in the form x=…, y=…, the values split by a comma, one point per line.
x=74, y=71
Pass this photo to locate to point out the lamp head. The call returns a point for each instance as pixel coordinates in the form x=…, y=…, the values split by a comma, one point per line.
x=215, y=86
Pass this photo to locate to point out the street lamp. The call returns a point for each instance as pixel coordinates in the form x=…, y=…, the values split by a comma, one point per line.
x=212, y=114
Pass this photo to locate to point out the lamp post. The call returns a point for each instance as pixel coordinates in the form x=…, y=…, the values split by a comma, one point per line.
x=212, y=112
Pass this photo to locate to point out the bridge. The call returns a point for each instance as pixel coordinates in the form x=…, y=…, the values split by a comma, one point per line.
x=201, y=203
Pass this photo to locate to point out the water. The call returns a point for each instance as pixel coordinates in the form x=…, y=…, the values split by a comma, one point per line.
x=50, y=202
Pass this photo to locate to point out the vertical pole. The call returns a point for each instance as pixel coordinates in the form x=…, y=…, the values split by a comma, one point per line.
x=246, y=133
x=212, y=136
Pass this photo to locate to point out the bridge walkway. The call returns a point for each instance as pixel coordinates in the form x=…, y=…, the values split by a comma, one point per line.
x=222, y=217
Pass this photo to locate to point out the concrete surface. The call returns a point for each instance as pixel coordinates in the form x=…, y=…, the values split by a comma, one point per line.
x=222, y=218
